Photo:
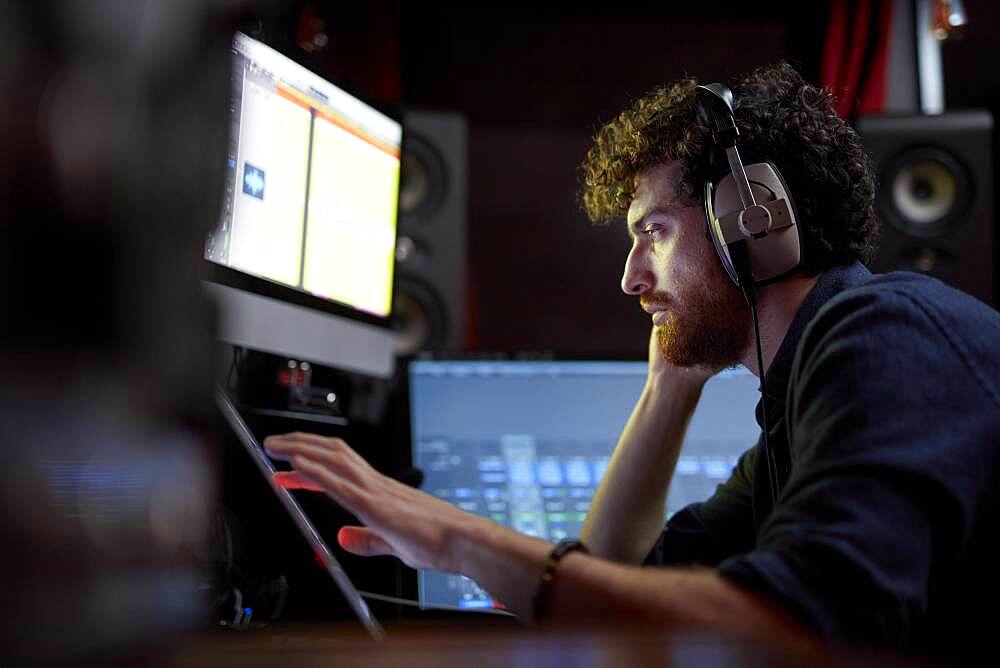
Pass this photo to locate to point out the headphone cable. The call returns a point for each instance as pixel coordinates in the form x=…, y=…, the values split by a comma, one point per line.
x=741, y=263
x=772, y=464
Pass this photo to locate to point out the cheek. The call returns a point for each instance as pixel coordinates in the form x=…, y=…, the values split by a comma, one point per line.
x=667, y=264
x=693, y=267
x=714, y=271
x=706, y=258
x=680, y=261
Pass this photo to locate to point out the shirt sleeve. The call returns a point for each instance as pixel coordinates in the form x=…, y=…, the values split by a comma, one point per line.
x=885, y=474
x=707, y=532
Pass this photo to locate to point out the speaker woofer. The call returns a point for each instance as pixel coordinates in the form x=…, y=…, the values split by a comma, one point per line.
x=925, y=192
x=420, y=319
x=423, y=179
x=430, y=278
x=935, y=196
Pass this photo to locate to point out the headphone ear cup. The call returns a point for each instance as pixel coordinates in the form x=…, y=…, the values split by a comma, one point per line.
x=772, y=256
x=713, y=231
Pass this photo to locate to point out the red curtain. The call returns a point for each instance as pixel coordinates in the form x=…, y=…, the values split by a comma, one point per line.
x=856, y=54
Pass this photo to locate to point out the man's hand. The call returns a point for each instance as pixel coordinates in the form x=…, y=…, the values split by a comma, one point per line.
x=427, y=533
x=400, y=520
x=419, y=529
x=659, y=367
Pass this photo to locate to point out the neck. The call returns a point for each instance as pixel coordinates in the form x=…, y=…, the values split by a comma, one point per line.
x=777, y=305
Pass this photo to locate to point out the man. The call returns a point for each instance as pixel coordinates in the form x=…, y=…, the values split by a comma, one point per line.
x=881, y=390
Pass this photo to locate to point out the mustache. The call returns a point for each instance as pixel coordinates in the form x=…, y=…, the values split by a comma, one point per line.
x=657, y=298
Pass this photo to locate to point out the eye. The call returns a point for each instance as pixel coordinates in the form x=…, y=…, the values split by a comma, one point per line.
x=652, y=230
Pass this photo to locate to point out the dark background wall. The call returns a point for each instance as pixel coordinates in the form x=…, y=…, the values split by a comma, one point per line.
x=534, y=87
x=534, y=81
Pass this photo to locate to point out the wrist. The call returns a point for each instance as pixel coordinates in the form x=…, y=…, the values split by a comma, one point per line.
x=461, y=541
x=541, y=603
x=505, y=563
x=675, y=384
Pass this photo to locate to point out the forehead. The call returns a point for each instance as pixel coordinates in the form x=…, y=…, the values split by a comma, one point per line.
x=655, y=187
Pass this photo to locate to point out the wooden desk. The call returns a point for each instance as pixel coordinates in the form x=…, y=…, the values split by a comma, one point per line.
x=452, y=644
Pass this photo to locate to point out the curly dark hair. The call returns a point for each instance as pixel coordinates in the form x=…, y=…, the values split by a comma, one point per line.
x=781, y=118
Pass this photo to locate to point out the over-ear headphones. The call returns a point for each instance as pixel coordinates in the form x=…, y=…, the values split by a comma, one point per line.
x=751, y=220
x=750, y=214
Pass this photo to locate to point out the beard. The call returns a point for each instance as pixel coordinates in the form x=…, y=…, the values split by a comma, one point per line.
x=708, y=322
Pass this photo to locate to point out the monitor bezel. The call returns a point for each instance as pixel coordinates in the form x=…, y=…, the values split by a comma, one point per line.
x=235, y=278
x=221, y=274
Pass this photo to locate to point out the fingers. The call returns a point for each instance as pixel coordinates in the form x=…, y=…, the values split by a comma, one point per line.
x=329, y=465
x=332, y=453
x=342, y=490
x=363, y=542
x=285, y=449
x=314, y=476
x=277, y=446
x=297, y=480
x=286, y=445
x=306, y=437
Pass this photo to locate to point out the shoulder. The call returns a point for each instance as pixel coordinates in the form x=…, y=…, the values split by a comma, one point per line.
x=905, y=294
x=895, y=382
x=903, y=324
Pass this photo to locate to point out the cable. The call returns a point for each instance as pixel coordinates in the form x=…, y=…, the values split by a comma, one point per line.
x=417, y=604
x=772, y=464
x=741, y=263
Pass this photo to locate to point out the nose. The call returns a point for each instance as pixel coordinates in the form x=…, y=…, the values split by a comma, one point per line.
x=637, y=278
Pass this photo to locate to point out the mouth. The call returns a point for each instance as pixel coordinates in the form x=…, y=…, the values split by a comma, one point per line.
x=657, y=311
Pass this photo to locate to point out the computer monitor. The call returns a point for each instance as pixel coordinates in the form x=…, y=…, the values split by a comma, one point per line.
x=525, y=443
x=301, y=263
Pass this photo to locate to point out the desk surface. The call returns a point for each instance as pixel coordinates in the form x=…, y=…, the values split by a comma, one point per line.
x=448, y=644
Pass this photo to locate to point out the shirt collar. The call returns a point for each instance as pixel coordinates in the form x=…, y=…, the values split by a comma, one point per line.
x=828, y=285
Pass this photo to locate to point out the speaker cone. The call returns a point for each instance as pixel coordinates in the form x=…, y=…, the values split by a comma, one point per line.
x=419, y=320
x=925, y=192
x=422, y=179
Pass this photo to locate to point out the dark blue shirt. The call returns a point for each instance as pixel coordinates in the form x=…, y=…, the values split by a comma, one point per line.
x=885, y=398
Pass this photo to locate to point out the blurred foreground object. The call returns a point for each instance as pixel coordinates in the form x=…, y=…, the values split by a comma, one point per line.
x=114, y=132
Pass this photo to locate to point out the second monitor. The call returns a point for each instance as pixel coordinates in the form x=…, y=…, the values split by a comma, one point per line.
x=525, y=443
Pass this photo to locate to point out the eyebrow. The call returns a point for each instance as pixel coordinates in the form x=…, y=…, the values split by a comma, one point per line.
x=637, y=225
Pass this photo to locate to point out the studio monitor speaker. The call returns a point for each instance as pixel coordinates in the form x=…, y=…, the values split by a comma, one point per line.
x=430, y=295
x=936, y=196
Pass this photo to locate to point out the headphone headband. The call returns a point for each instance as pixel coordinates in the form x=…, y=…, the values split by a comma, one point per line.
x=750, y=214
x=715, y=107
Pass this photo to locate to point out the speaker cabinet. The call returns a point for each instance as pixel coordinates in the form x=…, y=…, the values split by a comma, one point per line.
x=935, y=196
x=430, y=295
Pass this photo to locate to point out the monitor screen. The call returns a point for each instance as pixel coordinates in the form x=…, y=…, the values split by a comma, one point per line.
x=310, y=202
x=525, y=443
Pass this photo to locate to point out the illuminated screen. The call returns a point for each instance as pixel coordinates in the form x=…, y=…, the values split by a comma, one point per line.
x=312, y=184
x=525, y=444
